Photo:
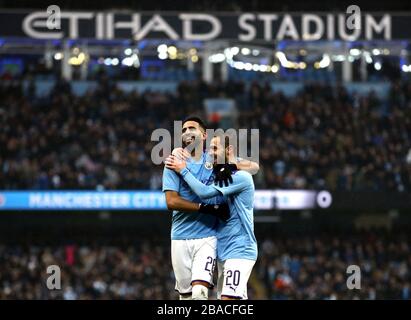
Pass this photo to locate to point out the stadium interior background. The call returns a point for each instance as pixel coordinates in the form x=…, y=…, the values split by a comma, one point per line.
x=334, y=116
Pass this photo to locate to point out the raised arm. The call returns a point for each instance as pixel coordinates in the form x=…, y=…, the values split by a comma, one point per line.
x=176, y=202
x=241, y=180
x=250, y=166
x=200, y=189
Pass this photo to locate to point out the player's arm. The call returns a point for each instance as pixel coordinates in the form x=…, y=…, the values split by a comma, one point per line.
x=173, y=165
x=175, y=202
x=202, y=190
x=171, y=188
x=250, y=166
x=223, y=172
x=240, y=183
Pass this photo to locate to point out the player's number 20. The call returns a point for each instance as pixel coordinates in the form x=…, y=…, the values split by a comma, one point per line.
x=234, y=277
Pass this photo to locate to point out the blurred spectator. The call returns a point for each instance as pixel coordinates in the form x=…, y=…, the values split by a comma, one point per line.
x=321, y=138
x=315, y=267
x=105, y=272
x=309, y=267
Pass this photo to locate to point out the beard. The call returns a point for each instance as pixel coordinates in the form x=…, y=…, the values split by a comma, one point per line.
x=218, y=158
x=190, y=141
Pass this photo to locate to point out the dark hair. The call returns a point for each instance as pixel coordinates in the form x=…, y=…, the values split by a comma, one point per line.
x=196, y=119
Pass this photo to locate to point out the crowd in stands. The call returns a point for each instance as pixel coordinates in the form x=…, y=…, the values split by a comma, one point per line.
x=307, y=267
x=317, y=267
x=87, y=272
x=323, y=137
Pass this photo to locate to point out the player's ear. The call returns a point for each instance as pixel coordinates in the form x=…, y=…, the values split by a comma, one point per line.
x=229, y=150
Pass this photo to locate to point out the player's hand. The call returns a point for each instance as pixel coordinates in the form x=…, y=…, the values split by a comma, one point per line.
x=222, y=174
x=181, y=153
x=173, y=163
x=221, y=211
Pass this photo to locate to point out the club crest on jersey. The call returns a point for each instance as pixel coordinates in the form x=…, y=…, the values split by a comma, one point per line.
x=208, y=165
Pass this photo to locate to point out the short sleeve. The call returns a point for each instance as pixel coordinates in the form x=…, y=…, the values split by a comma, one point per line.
x=171, y=181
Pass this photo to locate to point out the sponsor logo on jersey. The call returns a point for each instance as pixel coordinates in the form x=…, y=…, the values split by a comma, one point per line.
x=208, y=165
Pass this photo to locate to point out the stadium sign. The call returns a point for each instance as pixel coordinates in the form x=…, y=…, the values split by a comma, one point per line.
x=264, y=27
x=144, y=200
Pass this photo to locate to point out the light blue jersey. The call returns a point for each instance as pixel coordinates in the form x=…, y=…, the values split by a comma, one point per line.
x=235, y=238
x=191, y=225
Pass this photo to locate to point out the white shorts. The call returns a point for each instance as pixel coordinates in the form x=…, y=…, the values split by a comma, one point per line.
x=193, y=260
x=233, y=275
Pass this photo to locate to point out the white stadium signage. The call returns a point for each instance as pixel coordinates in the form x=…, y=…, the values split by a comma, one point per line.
x=205, y=27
